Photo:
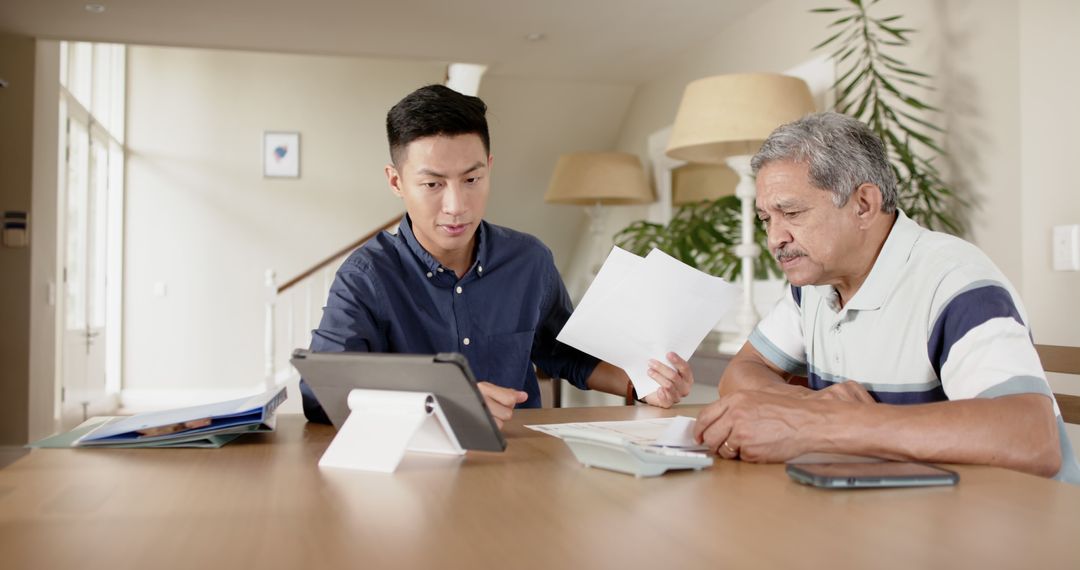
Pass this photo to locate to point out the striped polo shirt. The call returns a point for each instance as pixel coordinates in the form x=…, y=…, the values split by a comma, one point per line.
x=934, y=320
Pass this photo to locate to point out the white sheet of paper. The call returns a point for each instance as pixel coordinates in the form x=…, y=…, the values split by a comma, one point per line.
x=643, y=432
x=679, y=433
x=637, y=309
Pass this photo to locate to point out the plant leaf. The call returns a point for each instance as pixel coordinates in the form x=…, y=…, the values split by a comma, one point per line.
x=828, y=41
x=904, y=70
x=843, y=20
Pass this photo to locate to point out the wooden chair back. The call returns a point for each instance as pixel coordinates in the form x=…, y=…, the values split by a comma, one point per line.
x=1063, y=360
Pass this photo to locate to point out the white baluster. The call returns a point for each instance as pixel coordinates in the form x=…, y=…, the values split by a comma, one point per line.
x=269, y=339
x=290, y=324
x=308, y=325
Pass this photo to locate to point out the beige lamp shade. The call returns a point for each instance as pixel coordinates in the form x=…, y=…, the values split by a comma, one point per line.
x=731, y=115
x=692, y=183
x=589, y=178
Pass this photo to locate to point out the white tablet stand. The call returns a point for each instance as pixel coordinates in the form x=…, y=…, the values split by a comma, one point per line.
x=383, y=425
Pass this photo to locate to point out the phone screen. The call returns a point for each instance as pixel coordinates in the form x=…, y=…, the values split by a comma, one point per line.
x=885, y=474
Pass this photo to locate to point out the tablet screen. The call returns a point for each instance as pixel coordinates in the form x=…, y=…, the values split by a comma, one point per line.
x=332, y=376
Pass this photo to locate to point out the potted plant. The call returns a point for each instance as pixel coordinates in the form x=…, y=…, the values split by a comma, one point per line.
x=702, y=235
x=875, y=87
x=872, y=87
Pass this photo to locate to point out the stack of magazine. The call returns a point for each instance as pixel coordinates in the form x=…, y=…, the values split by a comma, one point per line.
x=210, y=425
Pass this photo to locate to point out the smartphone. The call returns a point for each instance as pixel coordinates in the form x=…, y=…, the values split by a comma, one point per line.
x=867, y=475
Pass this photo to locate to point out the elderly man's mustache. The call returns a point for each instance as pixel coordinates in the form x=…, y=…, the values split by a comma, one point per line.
x=785, y=253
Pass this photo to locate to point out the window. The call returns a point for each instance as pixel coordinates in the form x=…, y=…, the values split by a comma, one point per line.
x=92, y=108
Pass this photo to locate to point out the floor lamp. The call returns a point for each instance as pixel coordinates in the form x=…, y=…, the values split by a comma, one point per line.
x=724, y=120
x=697, y=182
x=597, y=179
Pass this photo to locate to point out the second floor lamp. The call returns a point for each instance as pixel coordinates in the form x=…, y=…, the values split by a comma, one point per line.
x=595, y=180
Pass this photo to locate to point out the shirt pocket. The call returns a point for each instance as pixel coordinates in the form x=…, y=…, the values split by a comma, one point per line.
x=505, y=359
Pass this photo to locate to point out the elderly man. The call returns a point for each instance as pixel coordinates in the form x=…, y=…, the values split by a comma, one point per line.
x=914, y=345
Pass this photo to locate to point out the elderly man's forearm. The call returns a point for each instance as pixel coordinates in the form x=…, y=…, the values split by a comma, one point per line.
x=749, y=375
x=1016, y=432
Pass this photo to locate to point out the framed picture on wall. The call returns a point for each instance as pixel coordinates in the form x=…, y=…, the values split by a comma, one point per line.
x=281, y=154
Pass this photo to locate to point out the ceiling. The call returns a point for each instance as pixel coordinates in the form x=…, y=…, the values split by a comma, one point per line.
x=597, y=40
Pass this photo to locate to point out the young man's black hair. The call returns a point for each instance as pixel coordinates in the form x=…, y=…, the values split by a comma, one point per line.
x=431, y=111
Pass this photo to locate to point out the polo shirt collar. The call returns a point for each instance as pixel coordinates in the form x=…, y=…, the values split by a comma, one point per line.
x=889, y=266
x=432, y=265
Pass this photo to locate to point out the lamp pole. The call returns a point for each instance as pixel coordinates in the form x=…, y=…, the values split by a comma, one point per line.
x=747, y=250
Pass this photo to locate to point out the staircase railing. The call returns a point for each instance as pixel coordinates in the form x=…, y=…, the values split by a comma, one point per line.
x=294, y=309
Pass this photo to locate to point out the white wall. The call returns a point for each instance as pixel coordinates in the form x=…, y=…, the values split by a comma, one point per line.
x=1050, y=121
x=203, y=221
x=979, y=80
x=532, y=122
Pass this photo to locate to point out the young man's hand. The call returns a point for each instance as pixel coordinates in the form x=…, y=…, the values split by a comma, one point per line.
x=674, y=381
x=501, y=401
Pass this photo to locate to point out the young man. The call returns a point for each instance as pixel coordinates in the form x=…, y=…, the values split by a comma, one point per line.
x=449, y=281
x=914, y=344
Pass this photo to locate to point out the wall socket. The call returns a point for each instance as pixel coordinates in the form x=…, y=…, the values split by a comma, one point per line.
x=1067, y=248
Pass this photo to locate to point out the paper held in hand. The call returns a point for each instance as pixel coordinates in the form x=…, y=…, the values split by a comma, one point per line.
x=637, y=309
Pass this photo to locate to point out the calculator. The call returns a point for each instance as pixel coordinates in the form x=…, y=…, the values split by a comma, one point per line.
x=609, y=451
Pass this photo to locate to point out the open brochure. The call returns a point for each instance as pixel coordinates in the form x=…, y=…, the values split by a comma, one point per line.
x=209, y=425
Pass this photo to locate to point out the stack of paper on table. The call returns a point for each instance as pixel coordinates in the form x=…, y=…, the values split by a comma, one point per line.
x=227, y=421
x=676, y=431
x=639, y=309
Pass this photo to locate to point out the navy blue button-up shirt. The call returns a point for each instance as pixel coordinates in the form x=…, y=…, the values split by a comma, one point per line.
x=391, y=295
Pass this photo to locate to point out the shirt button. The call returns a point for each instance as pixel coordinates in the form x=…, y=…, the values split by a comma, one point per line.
x=459, y=290
x=466, y=341
x=480, y=268
x=429, y=274
x=439, y=270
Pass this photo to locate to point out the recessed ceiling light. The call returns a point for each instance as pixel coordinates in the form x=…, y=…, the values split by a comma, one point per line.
x=94, y=8
x=535, y=37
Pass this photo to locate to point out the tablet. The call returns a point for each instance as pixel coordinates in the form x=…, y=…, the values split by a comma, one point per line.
x=332, y=375
x=885, y=474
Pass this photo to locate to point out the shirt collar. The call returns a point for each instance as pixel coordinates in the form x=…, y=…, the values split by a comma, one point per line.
x=432, y=265
x=889, y=266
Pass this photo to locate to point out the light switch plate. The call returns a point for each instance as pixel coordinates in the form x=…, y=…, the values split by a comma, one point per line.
x=1067, y=248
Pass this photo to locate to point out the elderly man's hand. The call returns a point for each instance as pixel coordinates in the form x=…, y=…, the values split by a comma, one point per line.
x=674, y=381
x=849, y=391
x=759, y=426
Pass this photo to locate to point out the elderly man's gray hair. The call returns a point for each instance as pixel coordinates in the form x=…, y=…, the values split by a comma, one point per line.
x=842, y=153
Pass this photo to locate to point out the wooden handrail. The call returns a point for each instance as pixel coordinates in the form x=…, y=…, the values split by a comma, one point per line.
x=322, y=264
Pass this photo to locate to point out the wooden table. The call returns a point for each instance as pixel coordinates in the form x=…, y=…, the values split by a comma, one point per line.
x=261, y=502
